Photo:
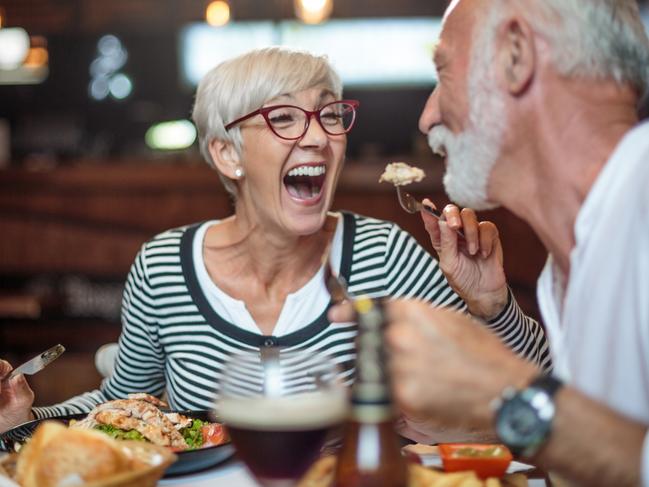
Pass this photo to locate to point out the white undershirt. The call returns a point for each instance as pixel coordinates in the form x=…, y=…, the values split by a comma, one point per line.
x=300, y=309
x=598, y=321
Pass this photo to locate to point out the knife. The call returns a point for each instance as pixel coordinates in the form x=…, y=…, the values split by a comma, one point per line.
x=38, y=363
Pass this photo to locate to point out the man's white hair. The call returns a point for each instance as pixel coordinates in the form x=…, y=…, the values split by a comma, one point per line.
x=245, y=83
x=472, y=153
x=605, y=39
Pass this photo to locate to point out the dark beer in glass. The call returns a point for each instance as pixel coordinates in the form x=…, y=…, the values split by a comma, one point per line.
x=279, y=430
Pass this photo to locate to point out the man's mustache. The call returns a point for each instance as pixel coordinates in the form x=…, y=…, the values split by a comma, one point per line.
x=439, y=138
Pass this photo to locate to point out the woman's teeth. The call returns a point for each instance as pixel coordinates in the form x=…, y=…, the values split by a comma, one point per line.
x=305, y=182
x=307, y=171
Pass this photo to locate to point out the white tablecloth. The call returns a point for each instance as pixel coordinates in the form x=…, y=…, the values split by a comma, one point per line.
x=231, y=474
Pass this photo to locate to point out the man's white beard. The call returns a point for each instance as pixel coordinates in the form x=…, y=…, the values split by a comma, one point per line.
x=471, y=154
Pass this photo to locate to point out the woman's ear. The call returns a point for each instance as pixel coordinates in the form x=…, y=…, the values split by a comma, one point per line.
x=516, y=56
x=225, y=158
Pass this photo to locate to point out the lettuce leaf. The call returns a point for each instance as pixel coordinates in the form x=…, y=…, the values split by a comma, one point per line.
x=193, y=434
x=119, y=433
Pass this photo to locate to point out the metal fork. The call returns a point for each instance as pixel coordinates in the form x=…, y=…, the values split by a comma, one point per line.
x=412, y=205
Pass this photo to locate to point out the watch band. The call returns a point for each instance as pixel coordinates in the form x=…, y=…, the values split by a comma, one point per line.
x=547, y=383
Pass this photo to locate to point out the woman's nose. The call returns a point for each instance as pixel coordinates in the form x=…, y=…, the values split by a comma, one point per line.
x=314, y=135
x=430, y=115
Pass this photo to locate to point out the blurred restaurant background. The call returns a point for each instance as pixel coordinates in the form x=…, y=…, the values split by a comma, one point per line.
x=97, y=152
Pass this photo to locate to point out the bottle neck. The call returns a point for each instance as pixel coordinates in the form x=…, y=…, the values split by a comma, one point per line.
x=371, y=400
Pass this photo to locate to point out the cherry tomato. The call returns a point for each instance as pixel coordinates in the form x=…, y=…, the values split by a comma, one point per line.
x=213, y=434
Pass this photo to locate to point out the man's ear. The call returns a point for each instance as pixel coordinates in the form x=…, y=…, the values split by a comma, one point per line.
x=516, y=56
x=225, y=157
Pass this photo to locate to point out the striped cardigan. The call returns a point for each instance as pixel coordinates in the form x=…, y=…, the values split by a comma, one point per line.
x=173, y=341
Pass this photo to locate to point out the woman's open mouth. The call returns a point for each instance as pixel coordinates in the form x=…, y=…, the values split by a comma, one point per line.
x=305, y=182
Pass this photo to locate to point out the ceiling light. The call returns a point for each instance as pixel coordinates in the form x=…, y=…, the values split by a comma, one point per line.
x=14, y=46
x=313, y=11
x=172, y=135
x=99, y=89
x=217, y=13
x=108, y=45
x=120, y=86
x=37, y=56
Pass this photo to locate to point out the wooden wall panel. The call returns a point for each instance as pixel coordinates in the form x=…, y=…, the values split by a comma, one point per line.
x=92, y=220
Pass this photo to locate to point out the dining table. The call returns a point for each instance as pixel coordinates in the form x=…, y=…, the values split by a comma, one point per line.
x=230, y=473
x=233, y=473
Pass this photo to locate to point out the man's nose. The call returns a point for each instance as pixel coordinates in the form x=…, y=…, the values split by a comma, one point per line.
x=430, y=114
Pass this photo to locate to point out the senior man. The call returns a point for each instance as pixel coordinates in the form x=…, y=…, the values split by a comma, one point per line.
x=536, y=110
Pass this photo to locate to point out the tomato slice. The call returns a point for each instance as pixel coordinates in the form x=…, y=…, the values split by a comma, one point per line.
x=213, y=434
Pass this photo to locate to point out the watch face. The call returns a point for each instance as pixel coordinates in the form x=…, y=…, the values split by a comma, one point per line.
x=518, y=423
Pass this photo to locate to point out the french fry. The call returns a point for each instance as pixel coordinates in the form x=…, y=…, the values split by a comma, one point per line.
x=455, y=479
x=472, y=481
x=322, y=472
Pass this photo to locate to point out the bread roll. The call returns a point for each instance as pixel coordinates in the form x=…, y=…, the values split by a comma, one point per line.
x=58, y=456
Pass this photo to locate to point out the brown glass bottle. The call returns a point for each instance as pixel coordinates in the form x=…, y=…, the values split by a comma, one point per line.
x=371, y=451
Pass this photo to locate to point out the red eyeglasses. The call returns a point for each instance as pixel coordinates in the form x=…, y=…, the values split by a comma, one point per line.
x=291, y=123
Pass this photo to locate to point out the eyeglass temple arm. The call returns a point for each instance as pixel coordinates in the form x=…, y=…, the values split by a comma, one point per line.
x=242, y=119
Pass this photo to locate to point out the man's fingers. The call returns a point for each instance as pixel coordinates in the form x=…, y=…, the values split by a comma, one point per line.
x=399, y=337
x=406, y=310
x=341, y=313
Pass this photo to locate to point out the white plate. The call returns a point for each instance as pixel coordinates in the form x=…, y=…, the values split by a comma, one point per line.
x=434, y=460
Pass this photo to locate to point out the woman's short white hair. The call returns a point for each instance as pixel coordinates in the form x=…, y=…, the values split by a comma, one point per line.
x=245, y=83
x=592, y=38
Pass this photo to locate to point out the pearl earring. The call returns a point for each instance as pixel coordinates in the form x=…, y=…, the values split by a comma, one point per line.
x=238, y=172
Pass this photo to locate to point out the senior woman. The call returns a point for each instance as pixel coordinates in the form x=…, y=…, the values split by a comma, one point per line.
x=273, y=124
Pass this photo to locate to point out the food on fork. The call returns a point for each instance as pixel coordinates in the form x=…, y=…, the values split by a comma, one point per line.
x=401, y=174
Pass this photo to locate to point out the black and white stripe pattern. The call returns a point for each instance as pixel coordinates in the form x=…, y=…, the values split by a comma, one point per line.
x=173, y=341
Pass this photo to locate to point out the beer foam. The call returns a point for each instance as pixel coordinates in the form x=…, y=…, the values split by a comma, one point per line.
x=309, y=410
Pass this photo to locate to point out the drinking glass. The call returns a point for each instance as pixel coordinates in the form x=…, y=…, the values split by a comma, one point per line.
x=279, y=407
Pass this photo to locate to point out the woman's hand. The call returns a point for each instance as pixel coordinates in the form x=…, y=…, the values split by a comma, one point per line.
x=16, y=398
x=474, y=269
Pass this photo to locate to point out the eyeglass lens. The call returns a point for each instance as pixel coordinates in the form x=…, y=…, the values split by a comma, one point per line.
x=291, y=122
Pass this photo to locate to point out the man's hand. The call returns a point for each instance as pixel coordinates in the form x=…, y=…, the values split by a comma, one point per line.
x=448, y=368
x=428, y=431
x=474, y=269
x=342, y=312
x=16, y=398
